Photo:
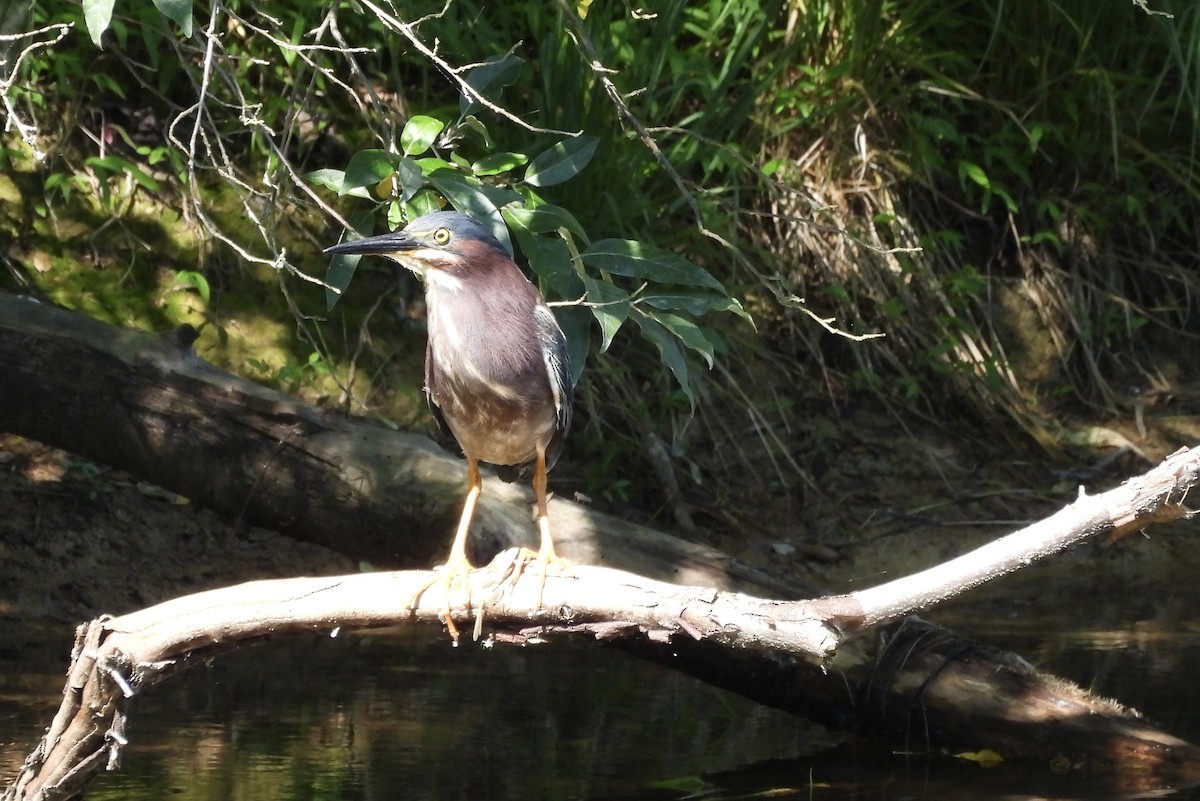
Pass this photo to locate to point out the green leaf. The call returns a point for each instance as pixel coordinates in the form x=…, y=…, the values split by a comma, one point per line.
x=424, y=202
x=341, y=270
x=550, y=260
x=432, y=163
x=412, y=178
x=576, y=324
x=419, y=134
x=1007, y=198
x=500, y=196
x=188, y=278
x=562, y=162
x=115, y=165
x=614, y=311
x=330, y=179
x=61, y=182
x=342, y=266
x=367, y=168
x=668, y=350
x=496, y=163
x=637, y=260
x=395, y=215
x=335, y=180
x=179, y=11
x=1036, y=131
x=108, y=83
x=472, y=123
x=695, y=302
x=496, y=72
x=974, y=172
x=690, y=334
x=544, y=219
x=97, y=14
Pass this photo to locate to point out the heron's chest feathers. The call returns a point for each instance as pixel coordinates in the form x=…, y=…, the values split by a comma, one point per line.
x=493, y=391
x=485, y=345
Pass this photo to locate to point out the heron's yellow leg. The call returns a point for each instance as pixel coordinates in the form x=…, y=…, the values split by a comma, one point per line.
x=457, y=565
x=546, y=555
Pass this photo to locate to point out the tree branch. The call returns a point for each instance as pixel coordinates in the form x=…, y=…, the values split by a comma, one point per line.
x=1142, y=501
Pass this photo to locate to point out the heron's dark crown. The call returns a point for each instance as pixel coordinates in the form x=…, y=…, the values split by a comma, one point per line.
x=462, y=229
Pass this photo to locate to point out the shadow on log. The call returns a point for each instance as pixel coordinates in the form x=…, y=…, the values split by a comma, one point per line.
x=146, y=404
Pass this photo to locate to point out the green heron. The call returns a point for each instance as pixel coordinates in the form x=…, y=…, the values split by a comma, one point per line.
x=496, y=371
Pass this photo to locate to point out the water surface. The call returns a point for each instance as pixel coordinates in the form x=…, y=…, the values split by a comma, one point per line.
x=403, y=714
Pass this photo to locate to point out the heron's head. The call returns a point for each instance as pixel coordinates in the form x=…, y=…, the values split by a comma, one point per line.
x=442, y=245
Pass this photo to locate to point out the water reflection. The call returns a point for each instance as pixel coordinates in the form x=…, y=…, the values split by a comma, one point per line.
x=403, y=715
x=392, y=715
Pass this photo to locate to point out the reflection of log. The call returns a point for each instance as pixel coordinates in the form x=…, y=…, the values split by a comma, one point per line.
x=927, y=690
x=148, y=405
x=990, y=699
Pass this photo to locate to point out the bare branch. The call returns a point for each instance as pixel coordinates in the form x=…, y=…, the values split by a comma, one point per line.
x=409, y=31
x=27, y=130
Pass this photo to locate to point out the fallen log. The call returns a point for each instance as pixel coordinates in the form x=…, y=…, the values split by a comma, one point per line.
x=146, y=404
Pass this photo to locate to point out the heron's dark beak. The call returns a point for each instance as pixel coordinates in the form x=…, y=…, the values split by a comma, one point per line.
x=396, y=242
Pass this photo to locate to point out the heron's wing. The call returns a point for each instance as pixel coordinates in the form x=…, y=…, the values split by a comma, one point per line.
x=558, y=369
x=443, y=435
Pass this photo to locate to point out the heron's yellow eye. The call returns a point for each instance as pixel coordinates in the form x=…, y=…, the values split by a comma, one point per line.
x=441, y=236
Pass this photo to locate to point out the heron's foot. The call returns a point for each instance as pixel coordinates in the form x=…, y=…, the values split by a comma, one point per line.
x=455, y=572
x=545, y=562
x=508, y=566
